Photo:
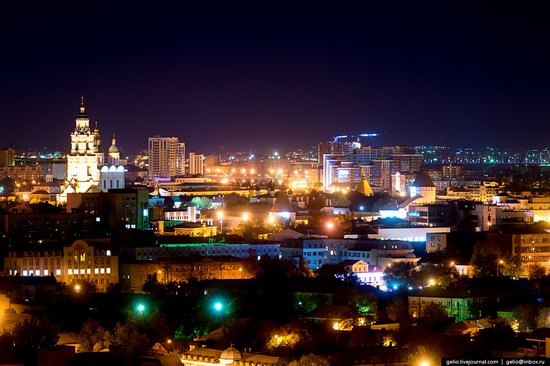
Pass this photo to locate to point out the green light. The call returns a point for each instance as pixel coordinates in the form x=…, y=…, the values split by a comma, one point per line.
x=218, y=306
x=140, y=308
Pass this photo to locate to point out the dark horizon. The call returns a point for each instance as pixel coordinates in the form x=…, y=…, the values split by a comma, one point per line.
x=249, y=78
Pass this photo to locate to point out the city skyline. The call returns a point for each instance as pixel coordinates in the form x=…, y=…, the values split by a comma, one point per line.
x=223, y=76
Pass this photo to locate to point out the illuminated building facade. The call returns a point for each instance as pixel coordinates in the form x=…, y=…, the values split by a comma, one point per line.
x=79, y=261
x=86, y=154
x=26, y=173
x=196, y=164
x=166, y=157
x=424, y=188
x=7, y=157
x=182, y=269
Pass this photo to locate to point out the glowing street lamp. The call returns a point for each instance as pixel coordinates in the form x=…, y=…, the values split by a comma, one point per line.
x=246, y=216
x=431, y=282
x=140, y=308
x=329, y=225
x=218, y=306
x=219, y=215
x=499, y=263
x=77, y=288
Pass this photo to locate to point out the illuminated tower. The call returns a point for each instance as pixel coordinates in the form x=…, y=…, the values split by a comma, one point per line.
x=85, y=155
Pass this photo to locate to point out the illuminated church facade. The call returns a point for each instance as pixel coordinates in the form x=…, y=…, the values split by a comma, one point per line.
x=88, y=169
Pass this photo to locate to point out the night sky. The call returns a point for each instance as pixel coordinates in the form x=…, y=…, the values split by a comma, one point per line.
x=242, y=76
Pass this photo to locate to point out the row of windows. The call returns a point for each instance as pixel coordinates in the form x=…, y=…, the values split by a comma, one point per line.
x=89, y=271
x=535, y=249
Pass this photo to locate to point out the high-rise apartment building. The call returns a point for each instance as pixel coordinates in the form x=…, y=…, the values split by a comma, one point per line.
x=196, y=164
x=335, y=147
x=7, y=157
x=166, y=157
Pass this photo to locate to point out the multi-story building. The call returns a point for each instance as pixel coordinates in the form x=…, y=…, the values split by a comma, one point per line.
x=315, y=253
x=406, y=163
x=207, y=249
x=121, y=208
x=381, y=175
x=25, y=173
x=458, y=304
x=166, y=157
x=7, y=157
x=452, y=171
x=196, y=164
x=90, y=260
x=335, y=147
x=182, y=269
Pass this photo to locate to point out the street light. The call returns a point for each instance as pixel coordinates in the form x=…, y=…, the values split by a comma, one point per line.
x=329, y=225
x=140, y=308
x=246, y=217
x=219, y=214
x=499, y=263
x=77, y=288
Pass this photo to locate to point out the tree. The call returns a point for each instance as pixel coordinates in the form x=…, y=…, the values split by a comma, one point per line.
x=434, y=312
x=31, y=335
x=93, y=337
x=201, y=203
x=365, y=304
x=274, y=268
x=310, y=360
x=129, y=335
x=397, y=310
x=485, y=259
x=400, y=274
x=336, y=271
x=512, y=267
x=287, y=339
x=440, y=275
x=152, y=285
x=536, y=271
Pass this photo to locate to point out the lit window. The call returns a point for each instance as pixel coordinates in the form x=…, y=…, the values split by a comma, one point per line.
x=96, y=271
x=46, y=272
x=25, y=273
x=89, y=271
x=58, y=272
x=70, y=271
x=109, y=270
x=108, y=253
x=82, y=271
x=102, y=270
x=37, y=272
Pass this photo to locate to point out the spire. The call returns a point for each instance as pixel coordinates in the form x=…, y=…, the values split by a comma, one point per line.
x=82, y=111
x=113, y=140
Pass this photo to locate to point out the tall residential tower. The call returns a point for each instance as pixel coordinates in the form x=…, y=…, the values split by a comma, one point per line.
x=166, y=157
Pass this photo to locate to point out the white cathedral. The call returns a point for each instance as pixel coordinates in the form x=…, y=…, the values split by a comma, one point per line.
x=87, y=169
